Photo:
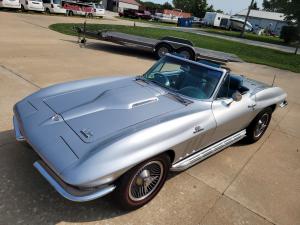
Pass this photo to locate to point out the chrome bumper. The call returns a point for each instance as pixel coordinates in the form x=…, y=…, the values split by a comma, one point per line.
x=69, y=192
x=18, y=134
x=283, y=104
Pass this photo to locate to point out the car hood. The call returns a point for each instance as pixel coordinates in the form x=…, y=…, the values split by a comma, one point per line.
x=98, y=112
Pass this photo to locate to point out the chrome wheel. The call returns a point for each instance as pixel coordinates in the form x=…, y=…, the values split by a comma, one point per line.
x=186, y=54
x=261, y=125
x=162, y=51
x=146, y=180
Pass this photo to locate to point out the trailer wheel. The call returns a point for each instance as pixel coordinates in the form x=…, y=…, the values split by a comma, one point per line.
x=162, y=49
x=70, y=13
x=186, y=53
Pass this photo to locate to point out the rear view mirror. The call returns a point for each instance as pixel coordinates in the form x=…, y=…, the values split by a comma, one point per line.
x=237, y=96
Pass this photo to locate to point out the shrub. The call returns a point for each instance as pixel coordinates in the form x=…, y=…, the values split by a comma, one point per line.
x=290, y=34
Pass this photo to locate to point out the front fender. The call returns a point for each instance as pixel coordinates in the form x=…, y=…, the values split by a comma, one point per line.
x=107, y=164
x=269, y=96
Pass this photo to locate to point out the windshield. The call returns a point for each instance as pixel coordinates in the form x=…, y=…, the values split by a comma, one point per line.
x=98, y=6
x=184, y=78
x=56, y=1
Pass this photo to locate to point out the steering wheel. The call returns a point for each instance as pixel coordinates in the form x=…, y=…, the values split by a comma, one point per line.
x=160, y=78
x=193, y=92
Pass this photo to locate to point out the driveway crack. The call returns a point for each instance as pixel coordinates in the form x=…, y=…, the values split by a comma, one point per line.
x=20, y=76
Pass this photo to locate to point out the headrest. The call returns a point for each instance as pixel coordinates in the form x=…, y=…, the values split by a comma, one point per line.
x=234, y=82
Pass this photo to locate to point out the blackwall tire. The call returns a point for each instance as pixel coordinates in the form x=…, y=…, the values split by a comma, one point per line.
x=162, y=49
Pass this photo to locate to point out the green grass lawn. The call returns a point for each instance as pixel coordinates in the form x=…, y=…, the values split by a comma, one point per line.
x=246, y=52
x=147, y=21
x=249, y=36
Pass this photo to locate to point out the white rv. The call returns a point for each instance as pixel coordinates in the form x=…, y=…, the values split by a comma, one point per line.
x=237, y=23
x=53, y=6
x=214, y=19
x=32, y=5
x=15, y=4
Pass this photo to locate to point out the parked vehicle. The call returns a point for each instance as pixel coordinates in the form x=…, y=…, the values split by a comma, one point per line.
x=98, y=10
x=53, y=6
x=13, y=4
x=214, y=19
x=136, y=14
x=158, y=47
x=129, y=13
x=237, y=23
x=77, y=8
x=145, y=15
x=32, y=5
x=124, y=134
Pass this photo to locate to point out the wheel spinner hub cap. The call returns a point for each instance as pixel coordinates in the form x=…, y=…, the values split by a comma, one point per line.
x=145, y=181
x=261, y=125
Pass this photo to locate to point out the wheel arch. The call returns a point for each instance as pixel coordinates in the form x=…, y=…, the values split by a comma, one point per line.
x=187, y=48
x=171, y=154
x=162, y=43
x=273, y=107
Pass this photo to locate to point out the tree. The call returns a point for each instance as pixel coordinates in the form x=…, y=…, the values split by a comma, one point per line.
x=291, y=8
x=274, y=5
x=196, y=7
x=154, y=6
x=254, y=6
x=150, y=5
x=167, y=5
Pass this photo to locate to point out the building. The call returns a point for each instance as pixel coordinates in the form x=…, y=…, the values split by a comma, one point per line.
x=266, y=20
x=120, y=5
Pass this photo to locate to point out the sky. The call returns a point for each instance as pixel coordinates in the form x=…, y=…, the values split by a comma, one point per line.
x=228, y=6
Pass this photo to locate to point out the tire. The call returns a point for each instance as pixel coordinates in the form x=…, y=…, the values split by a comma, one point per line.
x=23, y=8
x=162, y=49
x=150, y=175
x=187, y=53
x=47, y=11
x=259, y=125
x=70, y=13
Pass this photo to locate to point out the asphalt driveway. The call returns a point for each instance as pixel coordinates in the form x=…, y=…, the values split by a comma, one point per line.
x=244, y=184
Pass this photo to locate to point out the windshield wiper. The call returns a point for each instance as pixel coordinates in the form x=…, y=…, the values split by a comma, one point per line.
x=142, y=79
x=171, y=94
x=180, y=99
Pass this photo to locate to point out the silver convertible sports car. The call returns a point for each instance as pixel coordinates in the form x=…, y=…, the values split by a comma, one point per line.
x=124, y=134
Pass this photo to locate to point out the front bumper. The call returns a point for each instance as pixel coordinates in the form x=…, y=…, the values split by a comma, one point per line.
x=283, y=104
x=18, y=134
x=69, y=192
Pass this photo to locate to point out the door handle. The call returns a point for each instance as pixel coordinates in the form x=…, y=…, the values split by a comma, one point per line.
x=198, y=129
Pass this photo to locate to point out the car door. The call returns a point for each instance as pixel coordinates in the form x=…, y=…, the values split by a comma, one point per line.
x=231, y=116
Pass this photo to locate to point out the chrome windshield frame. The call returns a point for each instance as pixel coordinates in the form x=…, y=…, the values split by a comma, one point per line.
x=212, y=97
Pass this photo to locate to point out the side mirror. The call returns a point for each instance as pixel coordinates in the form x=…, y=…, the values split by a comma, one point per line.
x=237, y=96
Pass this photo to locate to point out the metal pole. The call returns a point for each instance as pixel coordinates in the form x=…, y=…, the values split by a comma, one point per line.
x=246, y=19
